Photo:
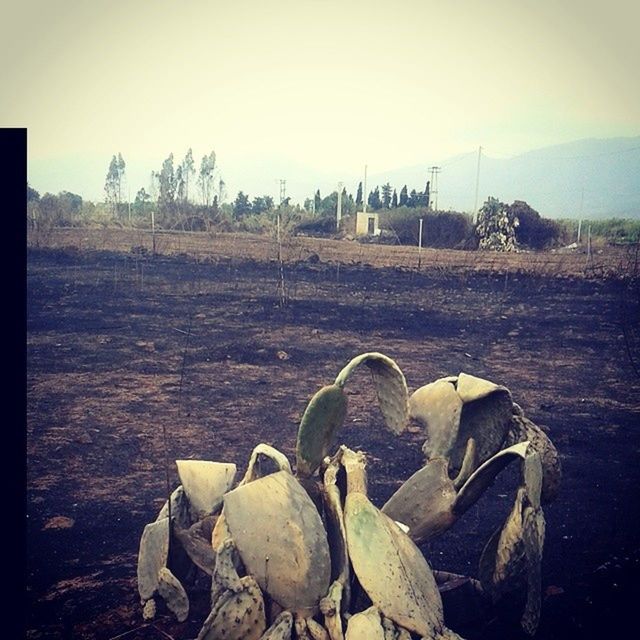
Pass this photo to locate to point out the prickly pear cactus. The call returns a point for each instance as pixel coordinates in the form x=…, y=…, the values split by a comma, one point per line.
x=306, y=555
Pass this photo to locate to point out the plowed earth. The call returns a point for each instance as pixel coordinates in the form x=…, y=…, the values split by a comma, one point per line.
x=123, y=348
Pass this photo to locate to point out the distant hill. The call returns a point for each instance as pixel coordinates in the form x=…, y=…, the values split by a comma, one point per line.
x=595, y=178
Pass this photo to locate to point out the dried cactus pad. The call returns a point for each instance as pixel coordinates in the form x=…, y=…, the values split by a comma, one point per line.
x=281, y=628
x=237, y=615
x=390, y=386
x=366, y=625
x=424, y=502
x=437, y=408
x=205, y=483
x=179, y=509
x=281, y=540
x=265, y=459
x=523, y=429
x=152, y=556
x=482, y=477
x=486, y=417
x=323, y=416
x=391, y=569
x=173, y=593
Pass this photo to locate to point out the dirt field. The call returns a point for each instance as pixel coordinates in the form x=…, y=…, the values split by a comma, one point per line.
x=121, y=344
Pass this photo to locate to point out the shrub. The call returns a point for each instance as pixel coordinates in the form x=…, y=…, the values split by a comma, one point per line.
x=533, y=231
x=441, y=229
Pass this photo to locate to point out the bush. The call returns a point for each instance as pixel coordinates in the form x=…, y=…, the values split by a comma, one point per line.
x=441, y=229
x=324, y=226
x=533, y=231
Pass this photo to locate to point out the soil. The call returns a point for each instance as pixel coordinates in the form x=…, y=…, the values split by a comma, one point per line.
x=135, y=360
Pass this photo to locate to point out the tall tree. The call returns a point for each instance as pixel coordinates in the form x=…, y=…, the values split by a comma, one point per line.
x=427, y=194
x=167, y=188
x=113, y=183
x=404, y=197
x=180, y=184
x=188, y=170
x=317, y=202
x=386, y=195
x=206, y=177
x=359, y=195
x=241, y=205
x=394, y=200
x=374, y=199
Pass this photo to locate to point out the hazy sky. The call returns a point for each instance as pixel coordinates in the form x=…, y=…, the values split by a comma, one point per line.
x=331, y=85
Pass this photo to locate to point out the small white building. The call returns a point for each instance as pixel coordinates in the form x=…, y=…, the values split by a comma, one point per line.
x=367, y=223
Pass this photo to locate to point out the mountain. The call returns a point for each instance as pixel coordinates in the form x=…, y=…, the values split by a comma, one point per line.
x=594, y=178
x=591, y=178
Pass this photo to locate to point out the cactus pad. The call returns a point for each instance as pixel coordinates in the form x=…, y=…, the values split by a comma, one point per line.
x=152, y=556
x=323, y=416
x=424, y=502
x=390, y=386
x=281, y=540
x=389, y=566
x=173, y=593
x=205, y=483
x=366, y=625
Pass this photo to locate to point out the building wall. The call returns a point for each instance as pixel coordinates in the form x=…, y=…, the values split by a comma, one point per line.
x=362, y=223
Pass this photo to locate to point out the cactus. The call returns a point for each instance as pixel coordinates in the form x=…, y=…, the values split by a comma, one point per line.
x=306, y=540
x=327, y=409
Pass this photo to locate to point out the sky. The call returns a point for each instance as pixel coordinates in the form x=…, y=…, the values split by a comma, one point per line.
x=329, y=86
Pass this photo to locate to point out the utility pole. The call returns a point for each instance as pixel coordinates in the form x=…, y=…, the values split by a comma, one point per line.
x=475, y=206
x=339, y=207
x=364, y=191
x=433, y=191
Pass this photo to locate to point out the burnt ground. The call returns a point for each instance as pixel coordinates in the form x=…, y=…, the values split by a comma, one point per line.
x=122, y=348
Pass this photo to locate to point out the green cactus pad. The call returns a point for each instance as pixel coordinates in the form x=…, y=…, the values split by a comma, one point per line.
x=424, y=501
x=511, y=560
x=486, y=417
x=322, y=418
x=281, y=540
x=205, y=483
x=389, y=566
x=390, y=386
